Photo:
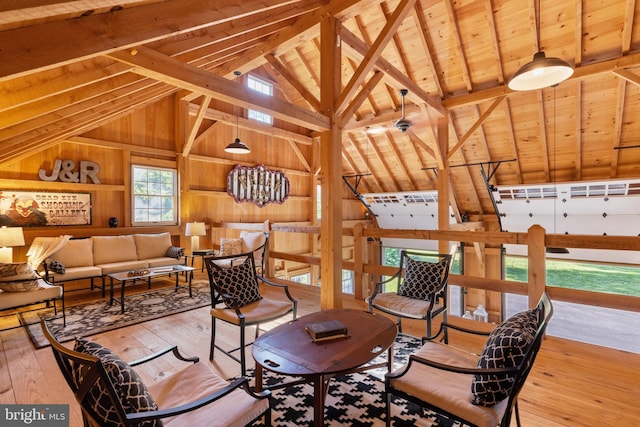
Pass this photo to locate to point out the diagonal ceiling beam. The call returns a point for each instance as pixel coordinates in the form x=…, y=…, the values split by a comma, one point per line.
x=476, y=125
x=160, y=67
x=58, y=43
x=370, y=59
x=357, y=49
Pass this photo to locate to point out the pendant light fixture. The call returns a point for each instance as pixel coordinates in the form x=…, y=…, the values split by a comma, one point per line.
x=541, y=71
x=237, y=146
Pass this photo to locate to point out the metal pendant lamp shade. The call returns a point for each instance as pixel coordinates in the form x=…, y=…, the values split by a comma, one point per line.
x=540, y=72
x=237, y=147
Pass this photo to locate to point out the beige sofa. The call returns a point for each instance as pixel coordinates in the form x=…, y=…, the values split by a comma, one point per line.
x=97, y=256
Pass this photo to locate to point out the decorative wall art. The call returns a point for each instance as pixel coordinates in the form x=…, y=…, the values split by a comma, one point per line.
x=258, y=185
x=41, y=208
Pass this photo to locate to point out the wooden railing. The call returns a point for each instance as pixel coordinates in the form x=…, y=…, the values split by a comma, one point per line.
x=535, y=239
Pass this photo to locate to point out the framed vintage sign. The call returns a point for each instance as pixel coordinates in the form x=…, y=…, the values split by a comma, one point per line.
x=42, y=208
x=258, y=185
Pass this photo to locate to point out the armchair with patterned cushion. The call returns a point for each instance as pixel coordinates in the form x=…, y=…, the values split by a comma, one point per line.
x=236, y=299
x=420, y=290
x=111, y=393
x=474, y=390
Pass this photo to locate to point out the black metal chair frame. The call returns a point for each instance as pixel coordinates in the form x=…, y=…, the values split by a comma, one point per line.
x=66, y=358
x=519, y=372
x=440, y=294
x=217, y=297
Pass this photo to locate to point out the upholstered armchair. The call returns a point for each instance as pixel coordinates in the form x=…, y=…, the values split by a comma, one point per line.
x=420, y=290
x=475, y=390
x=236, y=299
x=111, y=393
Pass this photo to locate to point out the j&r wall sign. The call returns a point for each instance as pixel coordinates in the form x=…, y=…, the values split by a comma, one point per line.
x=258, y=185
x=41, y=208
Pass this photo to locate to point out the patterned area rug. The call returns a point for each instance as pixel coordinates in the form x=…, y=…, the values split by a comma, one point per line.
x=354, y=399
x=98, y=316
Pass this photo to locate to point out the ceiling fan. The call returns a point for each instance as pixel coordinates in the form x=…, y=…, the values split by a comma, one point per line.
x=402, y=123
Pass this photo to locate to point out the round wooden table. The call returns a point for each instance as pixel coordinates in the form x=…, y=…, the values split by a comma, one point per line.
x=289, y=350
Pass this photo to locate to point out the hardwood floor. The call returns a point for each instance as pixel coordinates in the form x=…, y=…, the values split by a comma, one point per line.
x=572, y=384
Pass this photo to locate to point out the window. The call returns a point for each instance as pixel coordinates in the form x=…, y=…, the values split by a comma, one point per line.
x=347, y=281
x=264, y=88
x=154, y=196
x=305, y=278
x=318, y=202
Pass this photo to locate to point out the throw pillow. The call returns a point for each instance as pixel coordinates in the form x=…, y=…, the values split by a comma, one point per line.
x=239, y=281
x=230, y=246
x=506, y=347
x=175, y=252
x=131, y=391
x=422, y=279
x=18, y=277
x=55, y=266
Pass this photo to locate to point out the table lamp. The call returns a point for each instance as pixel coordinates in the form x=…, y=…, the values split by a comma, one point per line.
x=195, y=230
x=10, y=237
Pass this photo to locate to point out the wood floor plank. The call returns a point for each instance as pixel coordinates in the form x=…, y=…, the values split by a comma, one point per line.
x=571, y=384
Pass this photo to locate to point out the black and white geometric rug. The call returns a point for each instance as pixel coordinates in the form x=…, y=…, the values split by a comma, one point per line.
x=353, y=400
x=98, y=316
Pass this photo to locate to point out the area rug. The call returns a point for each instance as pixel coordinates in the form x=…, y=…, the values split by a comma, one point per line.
x=98, y=316
x=353, y=400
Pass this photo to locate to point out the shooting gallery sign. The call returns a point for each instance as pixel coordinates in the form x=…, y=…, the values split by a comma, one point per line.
x=258, y=185
x=42, y=208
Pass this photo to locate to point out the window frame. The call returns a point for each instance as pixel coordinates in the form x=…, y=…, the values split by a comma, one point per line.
x=173, y=196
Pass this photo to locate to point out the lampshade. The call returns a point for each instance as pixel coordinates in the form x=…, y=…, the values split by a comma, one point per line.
x=195, y=229
x=11, y=236
x=540, y=72
x=237, y=147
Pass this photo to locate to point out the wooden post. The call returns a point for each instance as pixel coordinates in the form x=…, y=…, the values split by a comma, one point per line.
x=537, y=264
x=443, y=182
x=331, y=165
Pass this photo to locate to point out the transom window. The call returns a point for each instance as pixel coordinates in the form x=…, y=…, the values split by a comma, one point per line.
x=154, y=196
x=265, y=88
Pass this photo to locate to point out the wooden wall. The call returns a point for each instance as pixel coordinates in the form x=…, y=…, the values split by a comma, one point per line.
x=151, y=137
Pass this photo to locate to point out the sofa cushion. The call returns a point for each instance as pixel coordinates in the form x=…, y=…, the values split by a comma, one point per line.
x=175, y=252
x=18, y=277
x=43, y=292
x=506, y=347
x=152, y=245
x=112, y=249
x=75, y=253
x=132, y=392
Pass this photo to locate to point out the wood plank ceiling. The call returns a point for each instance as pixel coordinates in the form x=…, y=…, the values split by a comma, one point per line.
x=69, y=66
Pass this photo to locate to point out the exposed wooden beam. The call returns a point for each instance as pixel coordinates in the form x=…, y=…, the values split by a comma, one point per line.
x=357, y=49
x=35, y=48
x=158, y=66
x=293, y=81
x=202, y=109
x=360, y=97
x=374, y=53
x=252, y=125
x=580, y=73
x=475, y=126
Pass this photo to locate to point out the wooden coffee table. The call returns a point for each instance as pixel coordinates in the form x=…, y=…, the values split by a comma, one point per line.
x=287, y=349
x=123, y=276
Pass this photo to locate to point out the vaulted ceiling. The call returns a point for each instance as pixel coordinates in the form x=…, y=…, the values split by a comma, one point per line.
x=70, y=66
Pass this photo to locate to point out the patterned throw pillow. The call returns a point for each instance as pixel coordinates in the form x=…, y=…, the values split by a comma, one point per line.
x=175, y=252
x=230, y=246
x=421, y=279
x=505, y=348
x=128, y=385
x=240, y=282
x=18, y=277
x=55, y=266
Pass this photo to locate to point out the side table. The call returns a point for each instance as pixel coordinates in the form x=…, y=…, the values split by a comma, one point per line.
x=202, y=253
